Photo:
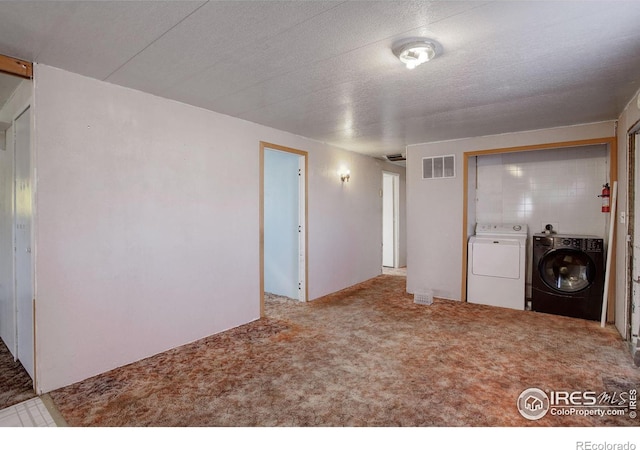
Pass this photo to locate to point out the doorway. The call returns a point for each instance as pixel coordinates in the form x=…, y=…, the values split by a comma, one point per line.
x=16, y=242
x=631, y=319
x=390, y=219
x=23, y=243
x=17, y=286
x=283, y=227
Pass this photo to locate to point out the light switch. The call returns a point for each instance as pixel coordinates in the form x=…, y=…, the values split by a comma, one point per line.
x=623, y=217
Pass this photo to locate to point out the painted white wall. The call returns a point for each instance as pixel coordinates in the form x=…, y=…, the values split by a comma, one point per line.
x=17, y=103
x=629, y=117
x=343, y=245
x=148, y=223
x=434, y=207
x=281, y=220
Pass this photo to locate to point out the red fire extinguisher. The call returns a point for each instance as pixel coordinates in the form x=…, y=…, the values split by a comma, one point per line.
x=605, y=198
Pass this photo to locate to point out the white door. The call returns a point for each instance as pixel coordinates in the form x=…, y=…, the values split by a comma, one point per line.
x=389, y=219
x=302, y=235
x=23, y=244
x=284, y=220
x=7, y=243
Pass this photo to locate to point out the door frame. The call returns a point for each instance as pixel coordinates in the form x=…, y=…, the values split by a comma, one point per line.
x=15, y=66
x=395, y=177
x=305, y=213
x=612, y=145
x=633, y=136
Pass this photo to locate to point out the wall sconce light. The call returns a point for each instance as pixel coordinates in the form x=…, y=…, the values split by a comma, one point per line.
x=345, y=175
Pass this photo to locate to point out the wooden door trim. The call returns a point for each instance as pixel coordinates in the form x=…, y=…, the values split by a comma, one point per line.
x=17, y=67
x=268, y=145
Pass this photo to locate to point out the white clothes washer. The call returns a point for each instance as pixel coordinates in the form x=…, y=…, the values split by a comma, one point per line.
x=496, y=263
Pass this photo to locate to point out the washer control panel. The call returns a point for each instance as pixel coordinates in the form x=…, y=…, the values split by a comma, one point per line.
x=579, y=243
x=594, y=245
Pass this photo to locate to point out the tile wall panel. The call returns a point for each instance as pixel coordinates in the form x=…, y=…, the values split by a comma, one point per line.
x=558, y=186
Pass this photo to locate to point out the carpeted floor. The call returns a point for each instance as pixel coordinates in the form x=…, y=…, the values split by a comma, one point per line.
x=15, y=384
x=366, y=356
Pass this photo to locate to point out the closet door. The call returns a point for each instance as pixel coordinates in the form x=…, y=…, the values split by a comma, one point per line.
x=23, y=243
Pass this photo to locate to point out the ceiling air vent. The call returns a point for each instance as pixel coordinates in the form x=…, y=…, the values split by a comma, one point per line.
x=396, y=157
x=438, y=167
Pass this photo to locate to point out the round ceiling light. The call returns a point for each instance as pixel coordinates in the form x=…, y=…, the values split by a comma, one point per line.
x=414, y=53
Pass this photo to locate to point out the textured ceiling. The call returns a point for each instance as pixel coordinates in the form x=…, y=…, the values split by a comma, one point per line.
x=325, y=70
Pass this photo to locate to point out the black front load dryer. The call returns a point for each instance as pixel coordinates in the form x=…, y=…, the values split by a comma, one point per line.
x=568, y=275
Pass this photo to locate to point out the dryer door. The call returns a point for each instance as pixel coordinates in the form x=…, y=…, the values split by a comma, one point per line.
x=495, y=257
x=566, y=270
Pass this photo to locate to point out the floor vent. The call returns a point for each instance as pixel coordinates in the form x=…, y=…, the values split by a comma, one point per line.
x=423, y=298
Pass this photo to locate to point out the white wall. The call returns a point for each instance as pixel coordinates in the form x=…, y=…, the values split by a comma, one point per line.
x=281, y=220
x=629, y=117
x=17, y=103
x=148, y=223
x=435, y=209
x=345, y=220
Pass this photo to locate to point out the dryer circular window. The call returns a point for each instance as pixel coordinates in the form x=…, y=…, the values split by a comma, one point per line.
x=568, y=275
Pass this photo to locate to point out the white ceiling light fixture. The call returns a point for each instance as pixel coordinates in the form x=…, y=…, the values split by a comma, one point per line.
x=415, y=52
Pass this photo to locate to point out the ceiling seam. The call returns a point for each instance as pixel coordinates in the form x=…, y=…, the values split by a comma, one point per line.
x=204, y=69
x=440, y=112
x=316, y=91
x=278, y=75
x=155, y=40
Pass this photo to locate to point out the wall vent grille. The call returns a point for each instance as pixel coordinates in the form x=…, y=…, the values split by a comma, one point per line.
x=438, y=167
